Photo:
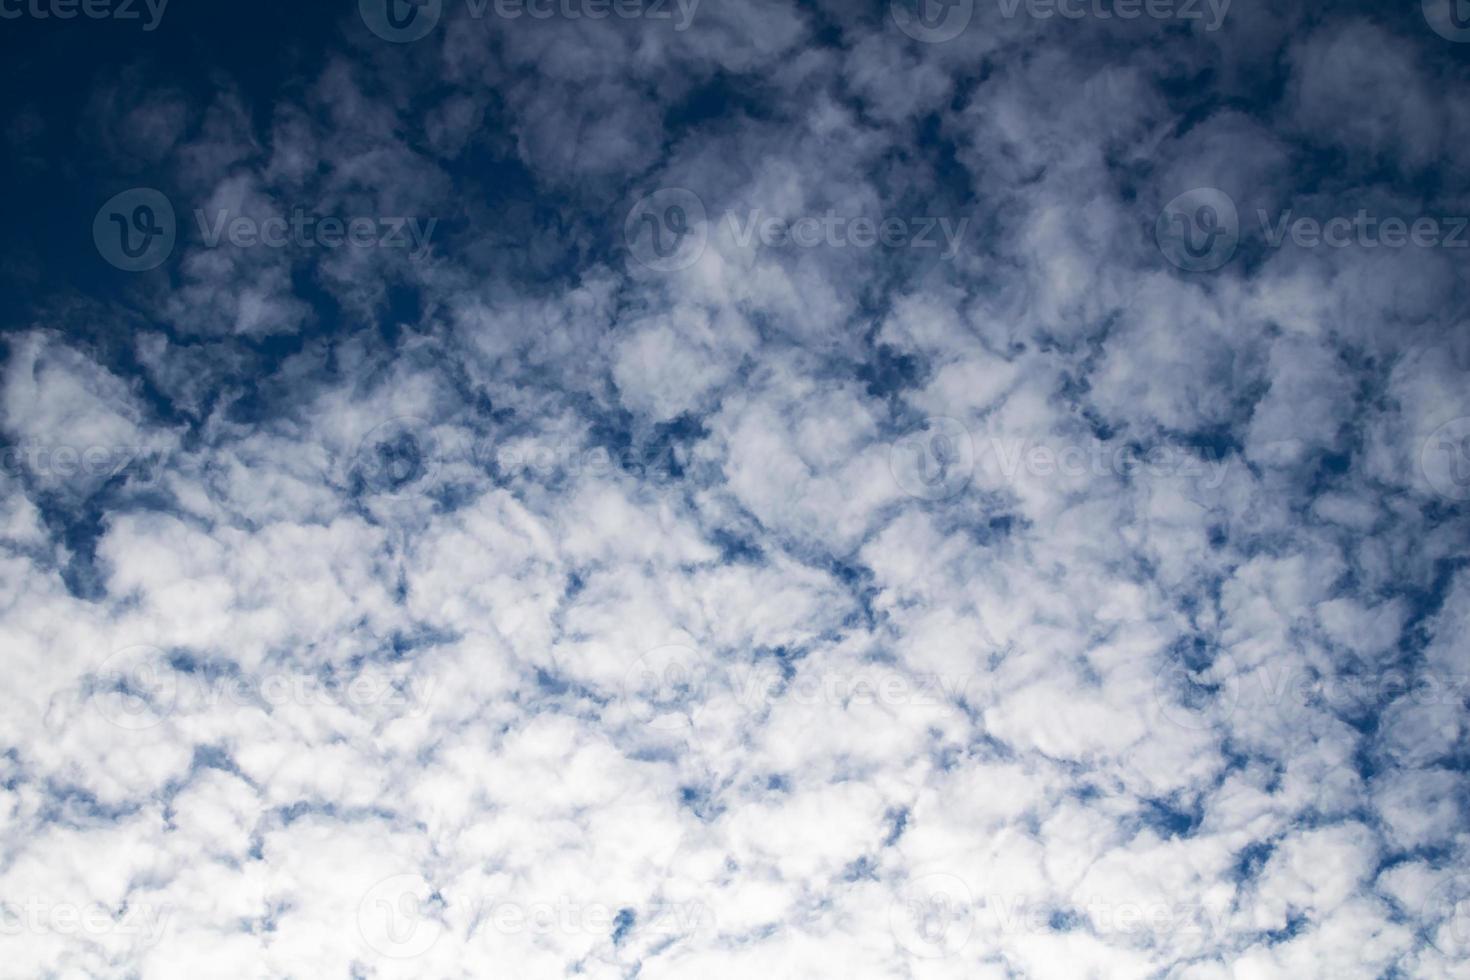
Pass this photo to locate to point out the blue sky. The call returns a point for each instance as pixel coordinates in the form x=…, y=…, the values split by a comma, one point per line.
x=641, y=489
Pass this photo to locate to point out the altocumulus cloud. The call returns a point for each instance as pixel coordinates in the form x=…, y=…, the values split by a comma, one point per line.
x=941, y=488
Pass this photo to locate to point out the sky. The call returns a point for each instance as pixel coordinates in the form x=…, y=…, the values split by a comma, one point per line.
x=943, y=489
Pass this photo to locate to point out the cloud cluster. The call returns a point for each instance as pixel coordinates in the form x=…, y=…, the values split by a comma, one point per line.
x=584, y=595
